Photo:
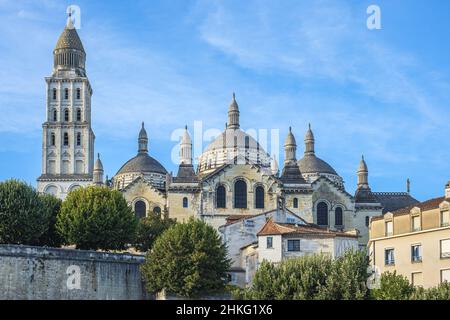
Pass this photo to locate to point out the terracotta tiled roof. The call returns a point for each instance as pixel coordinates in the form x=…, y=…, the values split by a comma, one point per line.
x=423, y=206
x=272, y=228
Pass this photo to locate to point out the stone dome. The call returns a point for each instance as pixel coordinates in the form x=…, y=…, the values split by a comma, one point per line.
x=231, y=144
x=142, y=163
x=313, y=164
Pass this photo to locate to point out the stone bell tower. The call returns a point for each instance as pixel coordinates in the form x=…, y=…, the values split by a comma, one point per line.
x=68, y=139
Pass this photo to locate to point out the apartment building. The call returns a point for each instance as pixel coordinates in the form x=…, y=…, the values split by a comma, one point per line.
x=414, y=241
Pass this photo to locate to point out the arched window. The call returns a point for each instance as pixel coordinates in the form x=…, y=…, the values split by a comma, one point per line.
x=66, y=139
x=240, y=194
x=157, y=210
x=52, y=139
x=295, y=203
x=78, y=139
x=322, y=214
x=55, y=115
x=220, y=197
x=185, y=202
x=66, y=115
x=338, y=219
x=54, y=93
x=367, y=221
x=247, y=142
x=259, y=197
x=66, y=93
x=78, y=114
x=78, y=93
x=140, y=209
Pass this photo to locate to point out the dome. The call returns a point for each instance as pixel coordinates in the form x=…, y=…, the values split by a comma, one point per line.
x=228, y=138
x=313, y=164
x=228, y=145
x=142, y=163
x=69, y=38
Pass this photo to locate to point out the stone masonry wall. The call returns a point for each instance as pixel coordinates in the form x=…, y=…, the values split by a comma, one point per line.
x=30, y=273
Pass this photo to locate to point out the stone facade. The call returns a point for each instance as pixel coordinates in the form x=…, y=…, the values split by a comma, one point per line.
x=235, y=176
x=414, y=242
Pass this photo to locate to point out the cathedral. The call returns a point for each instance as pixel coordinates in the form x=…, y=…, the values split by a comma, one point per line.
x=235, y=177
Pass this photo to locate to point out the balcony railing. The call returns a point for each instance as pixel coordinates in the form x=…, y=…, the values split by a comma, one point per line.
x=445, y=254
x=416, y=259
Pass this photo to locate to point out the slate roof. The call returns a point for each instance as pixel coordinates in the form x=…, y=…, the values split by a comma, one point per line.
x=392, y=201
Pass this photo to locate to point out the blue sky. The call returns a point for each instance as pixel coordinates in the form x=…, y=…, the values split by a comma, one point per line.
x=382, y=93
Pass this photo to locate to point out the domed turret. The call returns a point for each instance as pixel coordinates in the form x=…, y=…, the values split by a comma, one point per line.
x=274, y=166
x=290, y=147
x=233, y=114
x=363, y=192
x=143, y=140
x=363, y=174
x=186, y=148
x=98, y=171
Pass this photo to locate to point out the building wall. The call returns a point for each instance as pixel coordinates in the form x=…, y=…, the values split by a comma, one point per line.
x=244, y=232
x=175, y=204
x=141, y=190
x=227, y=177
x=334, y=246
x=431, y=264
x=37, y=273
x=274, y=254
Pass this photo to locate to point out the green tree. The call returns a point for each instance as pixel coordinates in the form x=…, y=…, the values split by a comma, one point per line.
x=441, y=292
x=393, y=287
x=23, y=218
x=52, y=206
x=312, y=277
x=348, y=277
x=189, y=260
x=96, y=217
x=150, y=228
